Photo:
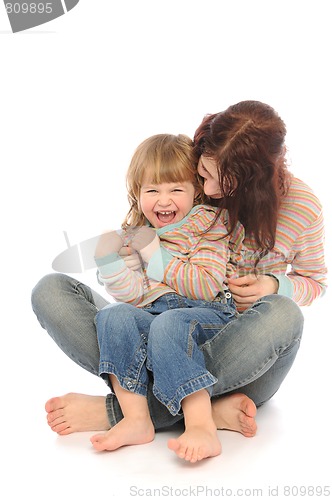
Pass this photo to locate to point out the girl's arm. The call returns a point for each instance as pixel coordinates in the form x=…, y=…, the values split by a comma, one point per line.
x=202, y=275
x=120, y=282
x=200, y=272
x=123, y=284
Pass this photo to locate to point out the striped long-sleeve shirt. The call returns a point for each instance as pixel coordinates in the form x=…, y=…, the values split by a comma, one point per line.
x=297, y=259
x=192, y=261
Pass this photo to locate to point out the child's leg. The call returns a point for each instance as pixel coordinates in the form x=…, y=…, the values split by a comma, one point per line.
x=122, y=331
x=175, y=357
x=136, y=426
x=181, y=378
x=200, y=439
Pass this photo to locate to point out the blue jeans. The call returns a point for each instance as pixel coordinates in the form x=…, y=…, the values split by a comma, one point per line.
x=251, y=354
x=164, y=339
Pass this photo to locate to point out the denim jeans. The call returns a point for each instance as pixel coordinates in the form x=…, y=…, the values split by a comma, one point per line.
x=252, y=354
x=165, y=340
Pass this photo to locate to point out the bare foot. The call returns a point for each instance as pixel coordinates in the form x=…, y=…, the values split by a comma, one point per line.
x=77, y=413
x=235, y=412
x=196, y=443
x=126, y=432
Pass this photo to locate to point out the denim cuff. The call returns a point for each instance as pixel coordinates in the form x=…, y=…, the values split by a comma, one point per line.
x=113, y=409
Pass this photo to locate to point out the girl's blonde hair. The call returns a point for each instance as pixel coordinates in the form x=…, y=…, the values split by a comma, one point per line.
x=160, y=158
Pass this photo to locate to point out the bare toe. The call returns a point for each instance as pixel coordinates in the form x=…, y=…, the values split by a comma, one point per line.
x=235, y=412
x=76, y=413
x=195, y=444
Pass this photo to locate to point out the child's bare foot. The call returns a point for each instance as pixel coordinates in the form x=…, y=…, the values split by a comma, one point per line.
x=235, y=412
x=126, y=432
x=76, y=413
x=196, y=443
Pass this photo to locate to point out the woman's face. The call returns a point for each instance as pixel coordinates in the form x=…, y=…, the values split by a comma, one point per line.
x=207, y=168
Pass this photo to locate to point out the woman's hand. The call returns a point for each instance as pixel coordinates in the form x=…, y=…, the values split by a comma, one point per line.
x=248, y=289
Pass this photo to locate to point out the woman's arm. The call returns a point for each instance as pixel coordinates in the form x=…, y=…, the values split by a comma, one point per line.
x=307, y=277
x=303, y=283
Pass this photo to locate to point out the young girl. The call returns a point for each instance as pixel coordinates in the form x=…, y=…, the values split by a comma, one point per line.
x=155, y=335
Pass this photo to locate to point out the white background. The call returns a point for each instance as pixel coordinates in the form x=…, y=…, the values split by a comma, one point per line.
x=77, y=95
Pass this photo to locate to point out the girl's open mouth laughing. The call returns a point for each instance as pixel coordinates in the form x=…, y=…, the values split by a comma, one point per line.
x=166, y=217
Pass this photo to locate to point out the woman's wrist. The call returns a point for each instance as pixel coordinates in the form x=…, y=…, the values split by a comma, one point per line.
x=275, y=282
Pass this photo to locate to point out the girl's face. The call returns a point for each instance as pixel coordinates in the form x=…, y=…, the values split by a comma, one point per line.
x=166, y=203
x=207, y=168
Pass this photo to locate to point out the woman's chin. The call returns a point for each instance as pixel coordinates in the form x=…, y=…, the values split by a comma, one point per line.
x=214, y=196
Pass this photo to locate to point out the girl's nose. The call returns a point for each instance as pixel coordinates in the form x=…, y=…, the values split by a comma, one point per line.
x=164, y=201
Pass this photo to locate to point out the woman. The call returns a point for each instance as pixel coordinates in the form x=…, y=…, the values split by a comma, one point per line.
x=242, y=161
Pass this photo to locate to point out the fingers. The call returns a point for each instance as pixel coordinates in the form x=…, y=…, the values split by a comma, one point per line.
x=108, y=243
x=125, y=251
x=247, y=280
x=243, y=291
x=144, y=236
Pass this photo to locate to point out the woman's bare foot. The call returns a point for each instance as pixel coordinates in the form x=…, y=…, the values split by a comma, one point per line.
x=235, y=412
x=76, y=413
x=196, y=443
x=126, y=432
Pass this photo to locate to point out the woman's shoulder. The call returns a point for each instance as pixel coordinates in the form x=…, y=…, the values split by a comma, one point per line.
x=300, y=196
x=202, y=209
x=203, y=219
x=205, y=215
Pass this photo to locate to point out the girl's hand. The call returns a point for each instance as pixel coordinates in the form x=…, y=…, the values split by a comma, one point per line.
x=130, y=258
x=109, y=242
x=247, y=289
x=146, y=242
